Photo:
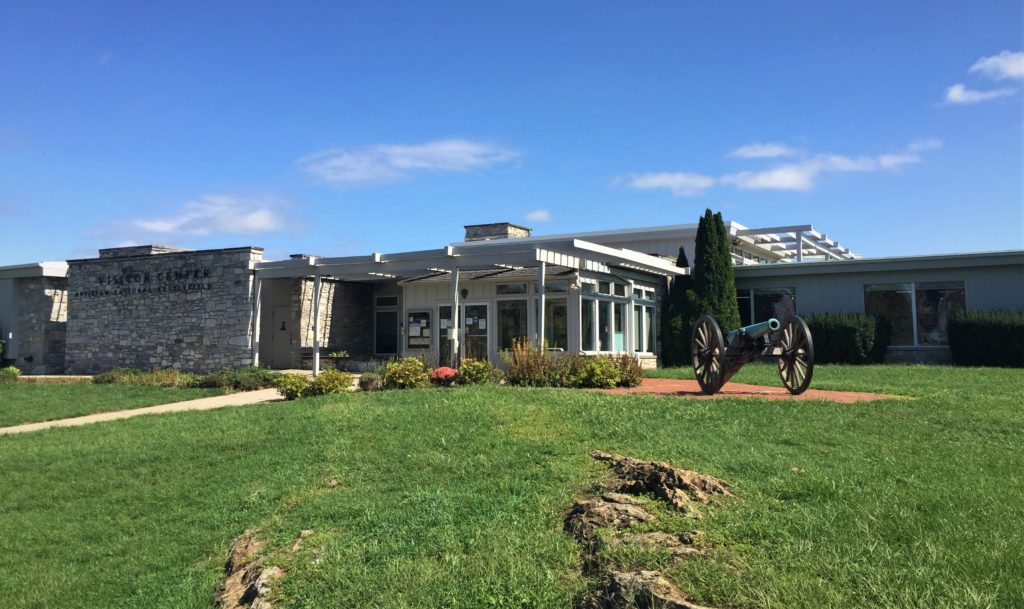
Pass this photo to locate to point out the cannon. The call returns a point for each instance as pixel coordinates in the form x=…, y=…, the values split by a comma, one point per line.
x=717, y=359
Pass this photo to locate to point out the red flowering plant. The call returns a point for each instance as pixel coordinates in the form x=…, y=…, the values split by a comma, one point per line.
x=444, y=376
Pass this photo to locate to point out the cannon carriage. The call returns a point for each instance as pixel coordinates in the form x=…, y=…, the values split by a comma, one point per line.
x=716, y=358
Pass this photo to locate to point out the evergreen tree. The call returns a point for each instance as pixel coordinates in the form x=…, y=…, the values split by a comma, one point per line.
x=714, y=283
x=675, y=318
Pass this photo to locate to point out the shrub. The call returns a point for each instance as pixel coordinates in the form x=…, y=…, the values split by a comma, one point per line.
x=843, y=338
x=369, y=381
x=166, y=377
x=567, y=370
x=600, y=373
x=714, y=282
x=292, y=386
x=528, y=364
x=477, y=372
x=444, y=376
x=250, y=378
x=9, y=374
x=676, y=313
x=631, y=373
x=987, y=338
x=329, y=381
x=117, y=376
x=405, y=373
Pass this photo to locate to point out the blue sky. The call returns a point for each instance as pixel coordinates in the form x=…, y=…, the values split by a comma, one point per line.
x=343, y=128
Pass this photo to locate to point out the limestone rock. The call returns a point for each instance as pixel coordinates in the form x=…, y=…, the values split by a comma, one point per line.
x=672, y=484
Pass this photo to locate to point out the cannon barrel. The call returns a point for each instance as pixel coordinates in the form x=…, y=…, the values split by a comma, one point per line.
x=754, y=331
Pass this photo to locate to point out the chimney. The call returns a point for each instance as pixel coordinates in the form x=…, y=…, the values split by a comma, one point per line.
x=498, y=230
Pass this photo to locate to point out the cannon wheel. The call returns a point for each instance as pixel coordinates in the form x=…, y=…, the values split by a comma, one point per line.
x=796, y=364
x=708, y=349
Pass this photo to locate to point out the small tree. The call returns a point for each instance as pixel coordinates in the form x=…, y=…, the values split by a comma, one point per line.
x=714, y=283
x=675, y=317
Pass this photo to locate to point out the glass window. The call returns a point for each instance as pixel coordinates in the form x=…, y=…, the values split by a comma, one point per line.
x=638, y=293
x=604, y=287
x=387, y=301
x=604, y=325
x=387, y=332
x=619, y=315
x=556, y=323
x=556, y=287
x=893, y=302
x=619, y=289
x=649, y=325
x=587, y=325
x=510, y=288
x=638, y=328
x=935, y=303
x=511, y=322
x=779, y=303
x=588, y=288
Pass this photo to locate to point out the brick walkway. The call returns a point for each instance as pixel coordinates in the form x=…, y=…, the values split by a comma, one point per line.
x=220, y=401
x=684, y=388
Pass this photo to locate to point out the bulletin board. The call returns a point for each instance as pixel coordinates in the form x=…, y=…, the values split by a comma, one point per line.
x=417, y=330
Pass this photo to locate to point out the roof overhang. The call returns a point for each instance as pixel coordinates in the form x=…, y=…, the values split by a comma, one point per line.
x=565, y=252
x=792, y=243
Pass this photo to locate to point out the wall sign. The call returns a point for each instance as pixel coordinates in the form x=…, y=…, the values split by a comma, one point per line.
x=418, y=330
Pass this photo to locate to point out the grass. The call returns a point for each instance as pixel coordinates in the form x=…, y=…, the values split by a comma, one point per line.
x=455, y=498
x=35, y=402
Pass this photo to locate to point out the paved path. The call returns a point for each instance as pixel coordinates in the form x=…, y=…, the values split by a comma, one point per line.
x=220, y=401
x=740, y=390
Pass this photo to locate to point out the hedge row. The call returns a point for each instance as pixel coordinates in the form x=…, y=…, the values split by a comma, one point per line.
x=987, y=338
x=848, y=338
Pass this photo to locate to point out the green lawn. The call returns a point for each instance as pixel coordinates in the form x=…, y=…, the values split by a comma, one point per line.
x=455, y=498
x=34, y=402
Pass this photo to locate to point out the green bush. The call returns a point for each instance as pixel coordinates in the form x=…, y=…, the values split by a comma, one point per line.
x=477, y=372
x=843, y=338
x=292, y=386
x=369, y=381
x=599, y=373
x=567, y=370
x=167, y=377
x=528, y=364
x=987, y=338
x=330, y=381
x=405, y=373
x=9, y=374
x=631, y=374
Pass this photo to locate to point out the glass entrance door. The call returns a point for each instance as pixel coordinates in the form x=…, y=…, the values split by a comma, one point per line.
x=472, y=332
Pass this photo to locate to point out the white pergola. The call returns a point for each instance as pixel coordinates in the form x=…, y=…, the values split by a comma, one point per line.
x=507, y=254
x=794, y=243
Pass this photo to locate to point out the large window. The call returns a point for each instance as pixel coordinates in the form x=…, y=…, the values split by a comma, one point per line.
x=616, y=317
x=587, y=311
x=556, y=323
x=386, y=332
x=511, y=322
x=761, y=304
x=917, y=313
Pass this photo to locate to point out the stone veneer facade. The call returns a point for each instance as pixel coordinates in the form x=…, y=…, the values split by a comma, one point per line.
x=190, y=310
x=346, y=316
x=41, y=323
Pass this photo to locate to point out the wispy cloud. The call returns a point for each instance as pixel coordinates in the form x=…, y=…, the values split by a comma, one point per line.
x=1005, y=65
x=391, y=162
x=539, y=215
x=762, y=151
x=218, y=214
x=798, y=175
x=959, y=94
x=681, y=184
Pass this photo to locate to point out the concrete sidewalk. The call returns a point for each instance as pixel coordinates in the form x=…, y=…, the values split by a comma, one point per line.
x=220, y=401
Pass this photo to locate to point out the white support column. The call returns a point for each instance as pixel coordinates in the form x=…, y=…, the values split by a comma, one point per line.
x=316, y=324
x=455, y=318
x=257, y=290
x=541, y=302
x=629, y=343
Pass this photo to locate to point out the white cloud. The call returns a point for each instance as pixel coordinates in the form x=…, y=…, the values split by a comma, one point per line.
x=960, y=94
x=681, y=184
x=211, y=214
x=762, y=151
x=390, y=162
x=539, y=215
x=1003, y=66
x=922, y=145
x=797, y=175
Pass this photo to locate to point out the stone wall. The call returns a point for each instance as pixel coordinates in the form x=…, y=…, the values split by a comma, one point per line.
x=346, y=316
x=187, y=310
x=41, y=324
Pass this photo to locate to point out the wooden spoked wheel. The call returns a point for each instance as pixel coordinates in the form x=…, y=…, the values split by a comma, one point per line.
x=796, y=364
x=708, y=350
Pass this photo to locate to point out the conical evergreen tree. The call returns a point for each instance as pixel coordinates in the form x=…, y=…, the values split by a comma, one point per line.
x=675, y=326
x=714, y=283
